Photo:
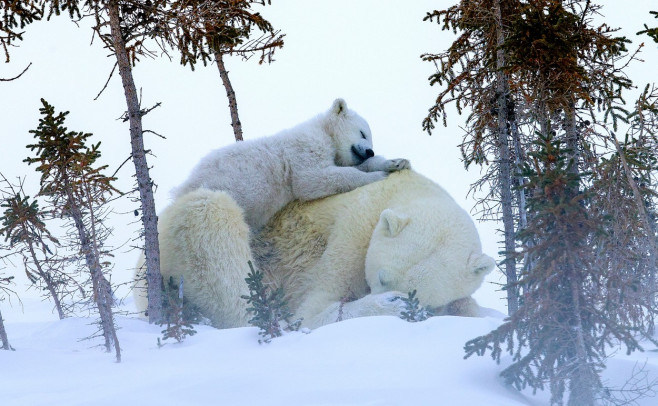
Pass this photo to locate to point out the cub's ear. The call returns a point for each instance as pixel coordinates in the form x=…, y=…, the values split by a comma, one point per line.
x=339, y=107
x=482, y=265
x=393, y=223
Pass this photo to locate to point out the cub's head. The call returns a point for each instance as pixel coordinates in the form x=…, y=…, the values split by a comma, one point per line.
x=429, y=248
x=350, y=134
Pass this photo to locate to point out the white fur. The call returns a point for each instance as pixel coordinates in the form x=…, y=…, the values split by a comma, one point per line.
x=376, y=243
x=348, y=255
x=204, y=239
x=321, y=157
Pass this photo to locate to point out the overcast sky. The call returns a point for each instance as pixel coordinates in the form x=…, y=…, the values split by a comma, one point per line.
x=365, y=51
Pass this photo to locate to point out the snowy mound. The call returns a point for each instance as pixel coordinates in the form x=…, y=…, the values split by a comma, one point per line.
x=365, y=361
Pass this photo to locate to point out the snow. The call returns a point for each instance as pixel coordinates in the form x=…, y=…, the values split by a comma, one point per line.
x=368, y=361
x=365, y=361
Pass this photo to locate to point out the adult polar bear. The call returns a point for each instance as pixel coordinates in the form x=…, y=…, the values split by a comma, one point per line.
x=355, y=254
x=331, y=153
x=370, y=245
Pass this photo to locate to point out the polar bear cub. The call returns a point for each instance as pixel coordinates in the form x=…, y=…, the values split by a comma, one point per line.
x=329, y=154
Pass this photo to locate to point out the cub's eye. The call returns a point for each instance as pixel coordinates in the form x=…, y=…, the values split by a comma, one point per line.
x=363, y=135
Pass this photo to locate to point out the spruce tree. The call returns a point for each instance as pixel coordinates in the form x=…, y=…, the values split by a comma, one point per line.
x=178, y=321
x=520, y=68
x=269, y=309
x=572, y=182
x=24, y=228
x=571, y=310
x=413, y=311
x=76, y=189
x=557, y=348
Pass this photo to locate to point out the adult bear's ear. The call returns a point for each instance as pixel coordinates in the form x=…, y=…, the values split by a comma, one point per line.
x=339, y=107
x=483, y=264
x=393, y=223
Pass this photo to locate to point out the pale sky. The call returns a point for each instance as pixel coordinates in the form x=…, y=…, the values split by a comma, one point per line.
x=365, y=51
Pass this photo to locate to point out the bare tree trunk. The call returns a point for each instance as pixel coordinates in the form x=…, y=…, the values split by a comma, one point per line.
x=48, y=280
x=582, y=379
x=3, y=335
x=519, y=158
x=53, y=294
x=144, y=183
x=505, y=169
x=572, y=135
x=519, y=182
x=230, y=93
x=102, y=288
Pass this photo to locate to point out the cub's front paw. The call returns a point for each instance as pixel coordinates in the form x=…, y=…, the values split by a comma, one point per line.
x=394, y=165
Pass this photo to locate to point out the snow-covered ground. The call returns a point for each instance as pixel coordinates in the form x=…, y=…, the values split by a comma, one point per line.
x=363, y=51
x=367, y=361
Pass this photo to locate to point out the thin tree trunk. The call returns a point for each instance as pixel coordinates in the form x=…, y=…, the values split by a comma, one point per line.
x=53, y=294
x=230, y=93
x=3, y=335
x=572, y=135
x=582, y=384
x=46, y=277
x=505, y=169
x=144, y=183
x=102, y=288
x=582, y=381
x=519, y=155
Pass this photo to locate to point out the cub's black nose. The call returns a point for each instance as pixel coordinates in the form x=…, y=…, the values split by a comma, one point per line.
x=369, y=153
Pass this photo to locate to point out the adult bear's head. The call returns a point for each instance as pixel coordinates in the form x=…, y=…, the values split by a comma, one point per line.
x=427, y=247
x=350, y=134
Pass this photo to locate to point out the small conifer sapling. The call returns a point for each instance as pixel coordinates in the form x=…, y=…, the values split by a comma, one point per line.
x=178, y=325
x=269, y=309
x=413, y=311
